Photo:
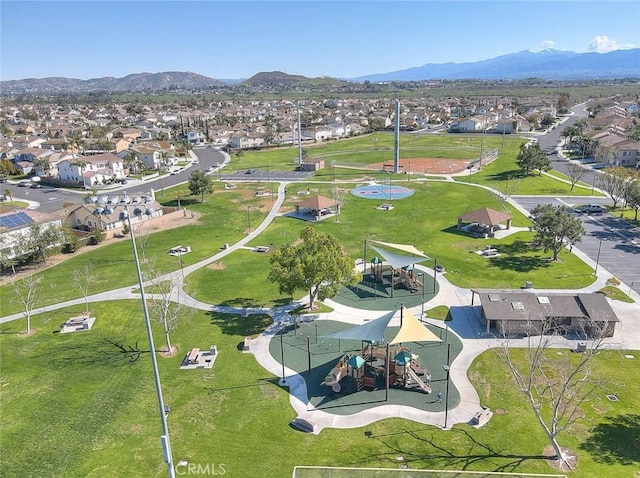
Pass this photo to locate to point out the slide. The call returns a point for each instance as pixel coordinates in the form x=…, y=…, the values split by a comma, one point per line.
x=425, y=388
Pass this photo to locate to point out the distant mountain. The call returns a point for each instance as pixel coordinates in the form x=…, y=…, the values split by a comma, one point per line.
x=134, y=82
x=549, y=64
x=278, y=79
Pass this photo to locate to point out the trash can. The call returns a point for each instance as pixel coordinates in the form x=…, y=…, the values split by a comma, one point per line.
x=528, y=285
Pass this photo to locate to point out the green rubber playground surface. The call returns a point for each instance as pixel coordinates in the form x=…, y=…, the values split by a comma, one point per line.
x=306, y=351
x=370, y=294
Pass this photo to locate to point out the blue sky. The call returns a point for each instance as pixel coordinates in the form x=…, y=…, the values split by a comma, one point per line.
x=224, y=39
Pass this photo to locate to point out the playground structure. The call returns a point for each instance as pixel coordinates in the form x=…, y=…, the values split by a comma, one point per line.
x=367, y=371
x=404, y=276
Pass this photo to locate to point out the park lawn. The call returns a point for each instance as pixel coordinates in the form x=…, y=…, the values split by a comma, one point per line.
x=223, y=220
x=237, y=280
x=375, y=148
x=579, y=184
x=605, y=440
x=427, y=219
x=75, y=406
x=503, y=169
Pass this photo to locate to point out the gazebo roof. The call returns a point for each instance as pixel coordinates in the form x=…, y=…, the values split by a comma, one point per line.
x=317, y=203
x=486, y=216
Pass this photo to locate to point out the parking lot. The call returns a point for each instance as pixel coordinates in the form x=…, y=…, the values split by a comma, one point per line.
x=262, y=175
x=610, y=242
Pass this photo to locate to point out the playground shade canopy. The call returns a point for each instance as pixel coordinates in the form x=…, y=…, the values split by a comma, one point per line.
x=412, y=330
x=399, y=260
x=408, y=248
x=371, y=331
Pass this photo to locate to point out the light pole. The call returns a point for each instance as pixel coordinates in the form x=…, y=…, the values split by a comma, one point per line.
x=164, y=439
x=595, y=271
x=249, y=217
x=447, y=369
x=421, y=275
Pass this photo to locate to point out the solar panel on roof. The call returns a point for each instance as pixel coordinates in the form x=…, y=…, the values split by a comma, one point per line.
x=494, y=297
x=517, y=305
x=17, y=219
x=543, y=300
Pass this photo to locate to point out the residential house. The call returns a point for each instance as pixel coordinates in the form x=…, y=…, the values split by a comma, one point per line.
x=92, y=170
x=624, y=151
x=110, y=212
x=248, y=140
x=195, y=137
x=15, y=225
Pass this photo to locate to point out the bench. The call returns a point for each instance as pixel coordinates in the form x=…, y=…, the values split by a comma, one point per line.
x=247, y=344
x=194, y=355
x=482, y=417
x=261, y=249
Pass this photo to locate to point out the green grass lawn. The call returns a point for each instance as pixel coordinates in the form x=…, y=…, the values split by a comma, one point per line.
x=497, y=173
x=74, y=405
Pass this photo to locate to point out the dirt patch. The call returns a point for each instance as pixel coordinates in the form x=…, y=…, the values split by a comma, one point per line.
x=500, y=411
x=217, y=266
x=568, y=464
x=425, y=165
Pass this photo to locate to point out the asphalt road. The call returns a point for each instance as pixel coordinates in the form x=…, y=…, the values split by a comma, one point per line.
x=610, y=242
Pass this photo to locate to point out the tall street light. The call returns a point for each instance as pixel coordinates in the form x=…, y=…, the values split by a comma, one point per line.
x=447, y=369
x=164, y=439
x=249, y=217
x=421, y=275
x=595, y=271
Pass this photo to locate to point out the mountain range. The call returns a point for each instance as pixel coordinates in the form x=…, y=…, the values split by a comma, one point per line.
x=547, y=64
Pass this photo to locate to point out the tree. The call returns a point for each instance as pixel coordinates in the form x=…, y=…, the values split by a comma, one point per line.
x=555, y=228
x=505, y=190
x=41, y=238
x=164, y=309
x=614, y=181
x=26, y=293
x=83, y=278
x=532, y=157
x=555, y=385
x=633, y=197
x=200, y=183
x=570, y=132
x=318, y=264
x=575, y=172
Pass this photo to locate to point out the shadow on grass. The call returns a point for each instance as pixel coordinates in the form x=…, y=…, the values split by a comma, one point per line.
x=615, y=441
x=506, y=175
x=458, y=232
x=438, y=456
x=233, y=324
x=93, y=350
x=520, y=263
x=239, y=302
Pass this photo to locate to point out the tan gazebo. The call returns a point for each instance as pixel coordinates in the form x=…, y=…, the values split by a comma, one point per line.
x=484, y=221
x=318, y=206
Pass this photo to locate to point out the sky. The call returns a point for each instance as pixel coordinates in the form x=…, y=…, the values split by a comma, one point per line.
x=343, y=39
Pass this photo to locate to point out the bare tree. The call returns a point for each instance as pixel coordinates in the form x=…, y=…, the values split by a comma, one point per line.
x=142, y=235
x=505, y=190
x=83, y=278
x=555, y=385
x=27, y=293
x=575, y=172
x=165, y=306
x=614, y=182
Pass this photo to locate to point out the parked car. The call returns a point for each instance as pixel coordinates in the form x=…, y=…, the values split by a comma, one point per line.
x=35, y=186
x=24, y=184
x=250, y=171
x=592, y=208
